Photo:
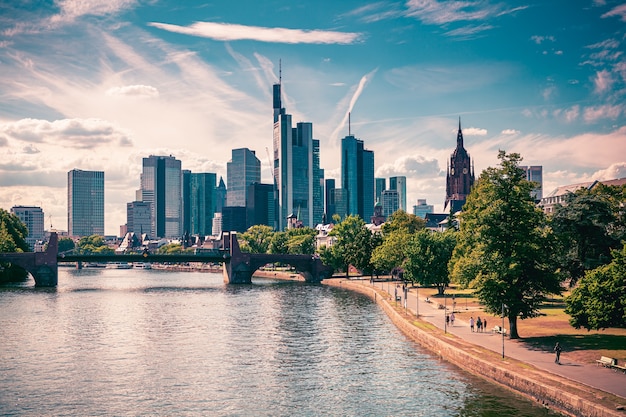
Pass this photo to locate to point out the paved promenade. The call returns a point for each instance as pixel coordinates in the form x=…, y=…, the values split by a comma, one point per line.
x=589, y=374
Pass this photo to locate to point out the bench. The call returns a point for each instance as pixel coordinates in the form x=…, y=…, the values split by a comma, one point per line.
x=606, y=362
x=499, y=330
x=617, y=367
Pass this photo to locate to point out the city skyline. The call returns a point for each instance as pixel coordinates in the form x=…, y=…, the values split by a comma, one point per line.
x=99, y=85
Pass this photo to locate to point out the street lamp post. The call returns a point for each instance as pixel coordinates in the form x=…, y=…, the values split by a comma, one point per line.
x=502, y=329
x=445, y=313
x=417, y=301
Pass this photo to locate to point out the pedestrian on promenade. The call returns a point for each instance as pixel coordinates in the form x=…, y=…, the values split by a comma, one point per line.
x=479, y=325
x=447, y=319
x=557, y=350
x=452, y=319
x=485, y=324
x=472, y=324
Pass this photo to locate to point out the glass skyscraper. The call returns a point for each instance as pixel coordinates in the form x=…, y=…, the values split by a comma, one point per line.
x=399, y=184
x=33, y=218
x=357, y=177
x=534, y=173
x=161, y=185
x=202, y=203
x=85, y=203
x=243, y=169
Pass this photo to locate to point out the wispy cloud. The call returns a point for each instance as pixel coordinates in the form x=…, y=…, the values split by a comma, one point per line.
x=234, y=32
x=469, y=32
x=441, y=12
x=619, y=11
x=72, y=9
x=144, y=91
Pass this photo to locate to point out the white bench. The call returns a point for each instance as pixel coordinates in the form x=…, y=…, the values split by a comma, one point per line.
x=499, y=330
x=606, y=362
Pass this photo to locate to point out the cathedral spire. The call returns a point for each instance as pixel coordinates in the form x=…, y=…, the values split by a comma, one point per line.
x=459, y=136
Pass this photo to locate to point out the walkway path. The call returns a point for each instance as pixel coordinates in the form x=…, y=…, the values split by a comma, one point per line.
x=597, y=377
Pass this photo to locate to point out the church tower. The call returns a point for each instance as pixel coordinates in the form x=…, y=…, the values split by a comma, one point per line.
x=460, y=176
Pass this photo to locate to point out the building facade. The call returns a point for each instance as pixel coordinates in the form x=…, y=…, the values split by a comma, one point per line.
x=33, y=218
x=421, y=209
x=202, y=203
x=534, y=173
x=399, y=184
x=390, y=202
x=357, y=177
x=161, y=185
x=460, y=175
x=85, y=203
x=138, y=218
x=243, y=169
x=260, y=205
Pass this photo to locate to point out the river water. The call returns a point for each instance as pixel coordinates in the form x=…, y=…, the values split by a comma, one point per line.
x=110, y=342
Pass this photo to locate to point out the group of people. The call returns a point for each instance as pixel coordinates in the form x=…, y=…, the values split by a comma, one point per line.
x=480, y=324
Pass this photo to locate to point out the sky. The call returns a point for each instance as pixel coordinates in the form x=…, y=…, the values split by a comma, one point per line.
x=101, y=84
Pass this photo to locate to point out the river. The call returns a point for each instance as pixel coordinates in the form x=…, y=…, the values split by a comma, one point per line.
x=113, y=342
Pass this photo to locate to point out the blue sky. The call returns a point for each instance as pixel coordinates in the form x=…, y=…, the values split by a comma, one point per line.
x=100, y=84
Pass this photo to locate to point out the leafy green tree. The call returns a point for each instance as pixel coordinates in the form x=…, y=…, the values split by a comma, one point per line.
x=355, y=244
x=13, y=233
x=93, y=244
x=504, y=250
x=66, y=244
x=401, y=220
x=582, y=224
x=392, y=252
x=279, y=243
x=599, y=300
x=329, y=257
x=428, y=255
x=256, y=239
x=301, y=240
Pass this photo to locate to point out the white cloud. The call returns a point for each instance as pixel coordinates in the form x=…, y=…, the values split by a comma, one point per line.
x=619, y=11
x=134, y=91
x=234, y=32
x=614, y=171
x=540, y=39
x=474, y=131
x=72, y=9
x=510, y=132
x=593, y=114
x=603, y=81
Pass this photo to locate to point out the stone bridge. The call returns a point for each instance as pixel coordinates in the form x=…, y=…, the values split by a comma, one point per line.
x=238, y=267
x=242, y=264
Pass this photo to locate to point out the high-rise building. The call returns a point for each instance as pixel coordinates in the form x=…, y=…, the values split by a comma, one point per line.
x=186, y=199
x=295, y=174
x=243, y=169
x=341, y=202
x=330, y=199
x=217, y=223
x=220, y=196
x=161, y=185
x=460, y=176
x=534, y=173
x=380, y=186
x=399, y=184
x=318, y=186
x=421, y=209
x=202, y=203
x=391, y=202
x=138, y=217
x=357, y=177
x=85, y=203
x=33, y=218
x=260, y=205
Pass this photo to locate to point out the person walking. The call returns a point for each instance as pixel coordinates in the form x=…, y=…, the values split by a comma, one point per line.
x=557, y=350
x=479, y=325
x=472, y=324
x=452, y=319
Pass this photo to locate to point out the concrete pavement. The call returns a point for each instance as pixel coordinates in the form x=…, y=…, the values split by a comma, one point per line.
x=588, y=374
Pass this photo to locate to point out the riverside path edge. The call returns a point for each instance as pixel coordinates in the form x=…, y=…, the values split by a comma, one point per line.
x=548, y=390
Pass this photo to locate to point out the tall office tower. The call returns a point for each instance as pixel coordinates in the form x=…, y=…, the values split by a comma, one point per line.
x=534, y=173
x=186, y=199
x=318, y=186
x=294, y=173
x=380, y=186
x=260, y=205
x=357, y=177
x=391, y=202
x=243, y=169
x=217, y=223
x=220, y=196
x=399, y=184
x=33, y=218
x=330, y=200
x=85, y=203
x=138, y=217
x=421, y=209
x=161, y=185
x=202, y=203
x=234, y=219
x=460, y=176
x=341, y=202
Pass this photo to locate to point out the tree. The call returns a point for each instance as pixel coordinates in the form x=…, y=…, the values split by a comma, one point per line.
x=583, y=225
x=279, y=243
x=504, y=249
x=65, y=244
x=599, y=301
x=355, y=243
x=428, y=255
x=93, y=244
x=401, y=220
x=256, y=239
x=392, y=252
x=13, y=233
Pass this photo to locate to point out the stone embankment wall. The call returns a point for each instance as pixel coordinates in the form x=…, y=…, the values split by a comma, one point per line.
x=552, y=391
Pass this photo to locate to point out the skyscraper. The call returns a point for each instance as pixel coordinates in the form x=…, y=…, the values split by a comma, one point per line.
x=138, y=218
x=33, y=218
x=295, y=174
x=380, y=186
x=161, y=185
x=421, y=209
x=390, y=202
x=85, y=203
x=330, y=199
x=534, y=173
x=243, y=169
x=202, y=203
x=357, y=177
x=460, y=176
x=399, y=184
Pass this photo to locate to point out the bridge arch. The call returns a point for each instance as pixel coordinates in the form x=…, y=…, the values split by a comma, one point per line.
x=41, y=265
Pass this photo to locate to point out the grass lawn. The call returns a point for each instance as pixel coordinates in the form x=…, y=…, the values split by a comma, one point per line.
x=543, y=332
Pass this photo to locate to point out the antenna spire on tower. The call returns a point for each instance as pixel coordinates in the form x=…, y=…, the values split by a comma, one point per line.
x=280, y=71
x=349, y=129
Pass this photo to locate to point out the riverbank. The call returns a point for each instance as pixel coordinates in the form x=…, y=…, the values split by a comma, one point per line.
x=547, y=389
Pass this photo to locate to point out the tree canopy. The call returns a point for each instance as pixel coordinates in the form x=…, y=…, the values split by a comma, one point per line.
x=599, y=300
x=93, y=244
x=13, y=233
x=355, y=244
x=256, y=239
x=428, y=255
x=504, y=250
